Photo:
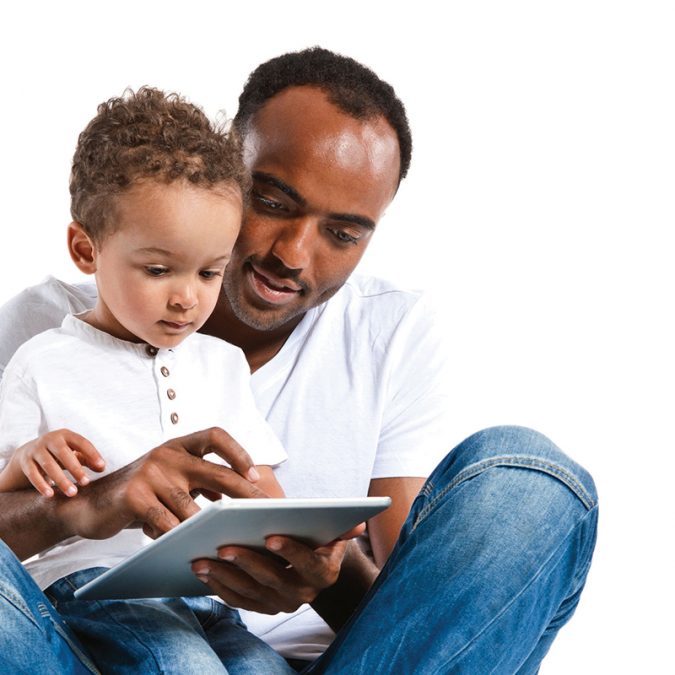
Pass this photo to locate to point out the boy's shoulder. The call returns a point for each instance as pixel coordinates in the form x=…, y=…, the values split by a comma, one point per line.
x=210, y=349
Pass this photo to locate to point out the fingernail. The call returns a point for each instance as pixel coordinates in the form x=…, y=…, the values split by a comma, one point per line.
x=274, y=545
x=202, y=572
x=227, y=557
x=204, y=580
x=84, y=480
x=48, y=492
x=253, y=474
x=71, y=491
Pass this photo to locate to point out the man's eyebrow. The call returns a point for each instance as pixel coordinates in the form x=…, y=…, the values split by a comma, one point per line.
x=269, y=179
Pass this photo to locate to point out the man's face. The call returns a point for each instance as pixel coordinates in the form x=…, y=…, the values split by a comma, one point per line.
x=321, y=182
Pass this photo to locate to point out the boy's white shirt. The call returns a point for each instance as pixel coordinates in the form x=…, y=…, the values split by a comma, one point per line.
x=357, y=392
x=126, y=399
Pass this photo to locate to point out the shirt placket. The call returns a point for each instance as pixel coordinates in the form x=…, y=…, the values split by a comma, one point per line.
x=162, y=367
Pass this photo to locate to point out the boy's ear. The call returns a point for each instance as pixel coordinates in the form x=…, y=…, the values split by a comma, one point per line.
x=81, y=248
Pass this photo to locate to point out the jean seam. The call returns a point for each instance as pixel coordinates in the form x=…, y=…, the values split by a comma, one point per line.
x=17, y=601
x=83, y=658
x=513, y=461
x=124, y=629
x=522, y=590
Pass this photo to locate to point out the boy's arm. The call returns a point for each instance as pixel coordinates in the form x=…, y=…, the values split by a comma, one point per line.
x=12, y=478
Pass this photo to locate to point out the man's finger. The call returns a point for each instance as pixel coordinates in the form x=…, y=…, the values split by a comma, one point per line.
x=202, y=474
x=267, y=570
x=218, y=441
x=147, y=509
x=318, y=567
x=178, y=501
x=231, y=597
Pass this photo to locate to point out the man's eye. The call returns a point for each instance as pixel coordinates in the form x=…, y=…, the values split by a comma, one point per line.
x=267, y=203
x=156, y=270
x=343, y=236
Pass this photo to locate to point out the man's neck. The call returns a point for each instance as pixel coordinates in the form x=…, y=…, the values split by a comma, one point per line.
x=259, y=346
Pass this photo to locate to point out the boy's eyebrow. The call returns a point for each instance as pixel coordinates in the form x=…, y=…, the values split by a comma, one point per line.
x=269, y=179
x=155, y=250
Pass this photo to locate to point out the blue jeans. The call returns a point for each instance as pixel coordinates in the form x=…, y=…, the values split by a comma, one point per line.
x=489, y=565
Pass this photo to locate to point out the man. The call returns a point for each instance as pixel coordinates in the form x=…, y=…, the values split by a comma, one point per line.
x=483, y=565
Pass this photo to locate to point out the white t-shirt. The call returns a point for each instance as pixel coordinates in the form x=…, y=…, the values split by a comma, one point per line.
x=357, y=392
x=126, y=398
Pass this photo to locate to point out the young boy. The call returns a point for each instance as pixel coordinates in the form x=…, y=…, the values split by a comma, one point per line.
x=157, y=197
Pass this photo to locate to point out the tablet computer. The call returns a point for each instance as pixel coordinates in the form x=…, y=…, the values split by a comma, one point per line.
x=162, y=568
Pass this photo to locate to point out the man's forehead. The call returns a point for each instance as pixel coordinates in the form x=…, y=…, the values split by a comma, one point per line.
x=303, y=121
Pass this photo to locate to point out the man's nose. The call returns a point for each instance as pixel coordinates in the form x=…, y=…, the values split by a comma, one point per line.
x=293, y=244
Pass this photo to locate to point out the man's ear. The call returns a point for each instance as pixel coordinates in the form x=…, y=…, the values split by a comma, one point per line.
x=81, y=248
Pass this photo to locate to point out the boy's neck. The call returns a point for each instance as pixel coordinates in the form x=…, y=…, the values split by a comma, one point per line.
x=258, y=346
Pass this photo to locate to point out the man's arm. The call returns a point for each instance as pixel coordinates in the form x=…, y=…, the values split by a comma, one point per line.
x=153, y=492
x=333, y=578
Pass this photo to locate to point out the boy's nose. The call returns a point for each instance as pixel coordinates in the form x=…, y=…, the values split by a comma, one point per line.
x=183, y=297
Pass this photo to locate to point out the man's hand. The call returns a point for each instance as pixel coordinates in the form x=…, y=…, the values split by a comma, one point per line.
x=291, y=575
x=155, y=490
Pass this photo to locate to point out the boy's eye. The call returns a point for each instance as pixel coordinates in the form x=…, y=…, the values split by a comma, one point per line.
x=210, y=274
x=156, y=270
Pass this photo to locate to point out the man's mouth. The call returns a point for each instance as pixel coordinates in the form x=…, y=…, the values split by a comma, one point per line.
x=271, y=288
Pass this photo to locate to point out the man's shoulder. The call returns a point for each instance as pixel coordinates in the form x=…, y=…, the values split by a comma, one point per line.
x=362, y=287
x=375, y=295
x=37, y=309
x=365, y=300
x=47, y=303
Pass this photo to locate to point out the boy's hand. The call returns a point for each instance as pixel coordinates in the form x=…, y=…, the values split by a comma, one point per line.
x=45, y=460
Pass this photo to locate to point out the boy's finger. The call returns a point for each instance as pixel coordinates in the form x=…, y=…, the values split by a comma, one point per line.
x=68, y=459
x=53, y=470
x=87, y=453
x=38, y=481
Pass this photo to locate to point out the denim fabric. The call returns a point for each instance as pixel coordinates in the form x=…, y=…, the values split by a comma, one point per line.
x=34, y=638
x=165, y=635
x=489, y=565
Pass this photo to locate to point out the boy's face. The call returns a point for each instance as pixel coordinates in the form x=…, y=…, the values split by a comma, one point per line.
x=160, y=272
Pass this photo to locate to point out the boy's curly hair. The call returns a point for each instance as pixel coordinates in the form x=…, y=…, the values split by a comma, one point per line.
x=148, y=135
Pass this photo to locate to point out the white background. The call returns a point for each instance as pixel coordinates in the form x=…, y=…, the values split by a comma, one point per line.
x=536, y=212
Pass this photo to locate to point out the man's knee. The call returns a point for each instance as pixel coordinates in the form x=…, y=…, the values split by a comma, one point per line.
x=516, y=447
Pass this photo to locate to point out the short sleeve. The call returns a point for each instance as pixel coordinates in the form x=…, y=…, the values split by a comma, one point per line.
x=416, y=424
x=21, y=418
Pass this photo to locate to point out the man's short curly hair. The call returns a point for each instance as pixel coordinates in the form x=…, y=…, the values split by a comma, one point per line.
x=350, y=85
x=148, y=135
